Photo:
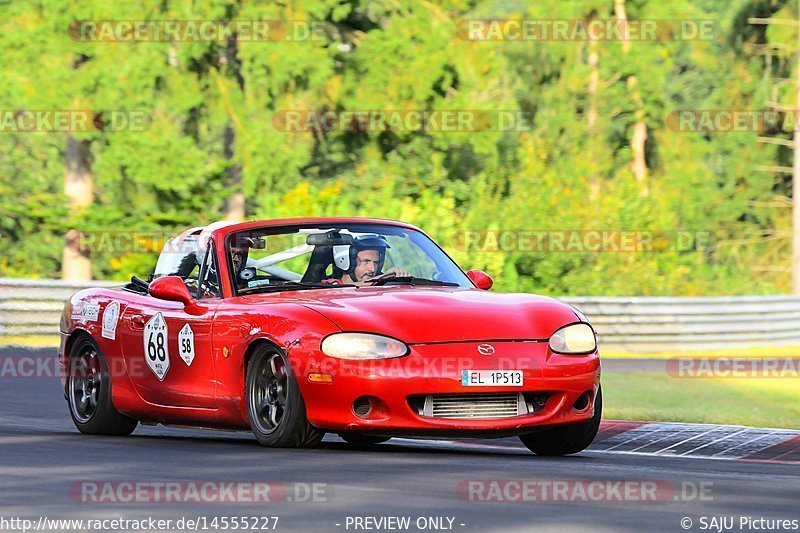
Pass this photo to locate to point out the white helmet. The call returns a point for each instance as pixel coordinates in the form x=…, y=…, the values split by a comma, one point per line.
x=344, y=256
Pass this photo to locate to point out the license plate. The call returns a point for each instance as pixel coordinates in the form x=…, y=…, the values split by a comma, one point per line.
x=491, y=378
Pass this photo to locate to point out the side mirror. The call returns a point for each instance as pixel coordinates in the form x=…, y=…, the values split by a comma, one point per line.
x=481, y=279
x=171, y=288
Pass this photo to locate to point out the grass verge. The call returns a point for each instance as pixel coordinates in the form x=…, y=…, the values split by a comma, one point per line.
x=775, y=351
x=652, y=396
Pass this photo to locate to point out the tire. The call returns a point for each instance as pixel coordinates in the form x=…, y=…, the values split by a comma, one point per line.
x=88, y=392
x=361, y=439
x=567, y=439
x=275, y=408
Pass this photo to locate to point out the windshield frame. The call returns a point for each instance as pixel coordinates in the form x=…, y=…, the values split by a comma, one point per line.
x=358, y=227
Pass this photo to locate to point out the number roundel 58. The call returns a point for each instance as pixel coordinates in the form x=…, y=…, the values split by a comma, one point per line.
x=186, y=344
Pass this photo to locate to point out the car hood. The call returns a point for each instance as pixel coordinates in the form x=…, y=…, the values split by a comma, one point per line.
x=418, y=315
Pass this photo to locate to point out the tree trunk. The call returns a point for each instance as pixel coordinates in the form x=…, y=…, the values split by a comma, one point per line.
x=591, y=115
x=639, y=136
x=639, y=139
x=235, y=203
x=235, y=208
x=796, y=186
x=76, y=263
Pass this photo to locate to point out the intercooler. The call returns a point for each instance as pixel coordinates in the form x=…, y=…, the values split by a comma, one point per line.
x=474, y=405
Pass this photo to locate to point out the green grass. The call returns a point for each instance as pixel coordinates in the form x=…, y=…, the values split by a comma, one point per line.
x=742, y=401
x=775, y=351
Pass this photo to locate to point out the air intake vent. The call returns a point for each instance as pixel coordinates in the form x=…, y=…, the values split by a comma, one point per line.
x=362, y=406
x=474, y=405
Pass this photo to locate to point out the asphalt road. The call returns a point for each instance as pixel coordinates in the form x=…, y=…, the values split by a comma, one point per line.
x=43, y=459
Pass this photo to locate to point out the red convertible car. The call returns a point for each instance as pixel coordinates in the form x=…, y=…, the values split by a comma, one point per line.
x=361, y=327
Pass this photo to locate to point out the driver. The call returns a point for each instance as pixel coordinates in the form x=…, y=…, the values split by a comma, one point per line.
x=367, y=255
x=240, y=249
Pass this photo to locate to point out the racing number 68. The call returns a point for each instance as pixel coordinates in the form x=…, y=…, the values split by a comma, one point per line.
x=156, y=349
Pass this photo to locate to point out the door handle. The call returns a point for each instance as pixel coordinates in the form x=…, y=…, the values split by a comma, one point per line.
x=137, y=321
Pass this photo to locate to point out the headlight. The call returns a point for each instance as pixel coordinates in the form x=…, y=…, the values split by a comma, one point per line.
x=360, y=346
x=574, y=339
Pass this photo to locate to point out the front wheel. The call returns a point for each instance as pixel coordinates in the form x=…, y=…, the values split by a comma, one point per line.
x=275, y=407
x=89, y=392
x=567, y=439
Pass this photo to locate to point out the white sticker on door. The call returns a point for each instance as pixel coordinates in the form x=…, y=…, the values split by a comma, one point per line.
x=85, y=311
x=110, y=318
x=186, y=344
x=156, y=349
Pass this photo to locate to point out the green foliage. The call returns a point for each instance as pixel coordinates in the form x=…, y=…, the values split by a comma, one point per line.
x=555, y=172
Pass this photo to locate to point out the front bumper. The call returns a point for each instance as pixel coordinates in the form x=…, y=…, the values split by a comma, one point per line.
x=396, y=386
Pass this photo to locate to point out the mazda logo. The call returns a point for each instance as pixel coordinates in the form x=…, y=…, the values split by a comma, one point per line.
x=486, y=349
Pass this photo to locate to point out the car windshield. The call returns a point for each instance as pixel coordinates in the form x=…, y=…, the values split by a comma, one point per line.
x=180, y=256
x=299, y=257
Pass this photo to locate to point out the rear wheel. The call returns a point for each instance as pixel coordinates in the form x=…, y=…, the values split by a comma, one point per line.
x=361, y=439
x=275, y=407
x=567, y=439
x=89, y=392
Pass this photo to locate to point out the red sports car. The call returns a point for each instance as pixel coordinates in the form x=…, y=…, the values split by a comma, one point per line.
x=361, y=327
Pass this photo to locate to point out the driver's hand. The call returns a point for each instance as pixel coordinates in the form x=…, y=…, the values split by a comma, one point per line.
x=399, y=272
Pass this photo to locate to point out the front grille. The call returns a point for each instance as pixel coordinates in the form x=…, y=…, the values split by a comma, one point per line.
x=474, y=405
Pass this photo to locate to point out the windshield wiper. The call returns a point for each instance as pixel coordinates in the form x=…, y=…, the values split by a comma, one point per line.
x=291, y=285
x=412, y=280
